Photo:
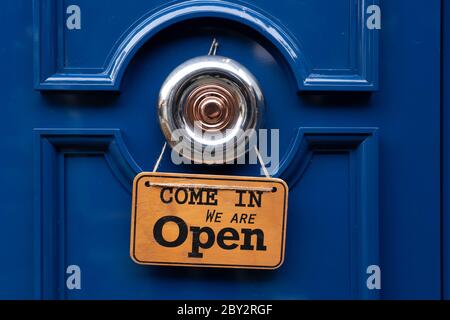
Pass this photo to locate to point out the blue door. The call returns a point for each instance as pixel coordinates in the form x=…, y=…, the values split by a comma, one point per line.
x=352, y=86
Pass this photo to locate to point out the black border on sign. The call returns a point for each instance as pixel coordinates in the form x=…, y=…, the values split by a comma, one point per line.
x=283, y=244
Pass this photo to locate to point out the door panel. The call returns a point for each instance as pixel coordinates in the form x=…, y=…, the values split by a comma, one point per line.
x=359, y=117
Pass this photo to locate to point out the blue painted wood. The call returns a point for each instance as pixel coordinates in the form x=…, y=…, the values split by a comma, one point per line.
x=53, y=147
x=361, y=144
x=52, y=53
x=64, y=197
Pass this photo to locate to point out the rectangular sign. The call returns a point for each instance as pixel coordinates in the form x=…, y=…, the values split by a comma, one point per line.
x=208, y=221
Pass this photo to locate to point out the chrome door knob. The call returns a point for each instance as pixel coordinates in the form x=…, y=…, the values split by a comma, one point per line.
x=210, y=102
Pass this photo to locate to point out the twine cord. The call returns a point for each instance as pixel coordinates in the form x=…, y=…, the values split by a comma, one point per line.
x=155, y=168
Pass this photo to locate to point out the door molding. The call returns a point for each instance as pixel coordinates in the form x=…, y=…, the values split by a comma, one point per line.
x=49, y=50
x=52, y=145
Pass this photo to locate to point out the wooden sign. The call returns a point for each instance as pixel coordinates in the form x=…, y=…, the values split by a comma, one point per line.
x=208, y=221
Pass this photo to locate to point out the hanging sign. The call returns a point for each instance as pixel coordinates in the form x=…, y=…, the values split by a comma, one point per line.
x=208, y=221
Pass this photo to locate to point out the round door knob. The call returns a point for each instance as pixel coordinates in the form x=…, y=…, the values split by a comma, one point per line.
x=210, y=102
